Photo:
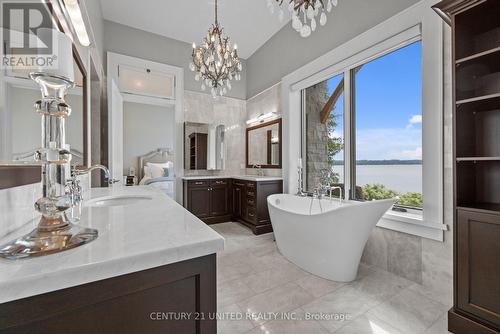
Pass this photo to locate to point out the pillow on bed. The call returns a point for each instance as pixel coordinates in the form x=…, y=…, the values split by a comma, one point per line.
x=147, y=172
x=167, y=164
x=156, y=171
x=168, y=172
x=160, y=169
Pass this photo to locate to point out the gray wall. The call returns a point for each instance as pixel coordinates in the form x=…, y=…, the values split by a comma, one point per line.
x=142, y=44
x=286, y=51
x=145, y=128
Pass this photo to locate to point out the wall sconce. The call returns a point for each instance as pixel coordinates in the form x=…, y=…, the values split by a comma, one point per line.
x=262, y=118
x=75, y=15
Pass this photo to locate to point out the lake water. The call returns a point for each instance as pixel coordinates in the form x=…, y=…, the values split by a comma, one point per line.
x=402, y=178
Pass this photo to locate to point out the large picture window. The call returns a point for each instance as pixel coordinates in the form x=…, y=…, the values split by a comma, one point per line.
x=387, y=113
x=384, y=124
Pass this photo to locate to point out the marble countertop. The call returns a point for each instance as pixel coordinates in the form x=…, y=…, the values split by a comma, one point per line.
x=205, y=177
x=255, y=178
x=132, y=238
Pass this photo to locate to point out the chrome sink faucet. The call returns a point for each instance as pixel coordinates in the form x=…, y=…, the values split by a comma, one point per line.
x=260, y=172
x=107, y=176
x=74, y=189
x=73, y=185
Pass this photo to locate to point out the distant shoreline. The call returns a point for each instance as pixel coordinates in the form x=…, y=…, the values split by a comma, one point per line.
x=381, y=162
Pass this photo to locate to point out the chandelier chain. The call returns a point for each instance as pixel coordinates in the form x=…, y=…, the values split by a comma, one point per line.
x=216, y=22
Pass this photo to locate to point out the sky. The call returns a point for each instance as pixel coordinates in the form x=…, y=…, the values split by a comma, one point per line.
x=388, y=106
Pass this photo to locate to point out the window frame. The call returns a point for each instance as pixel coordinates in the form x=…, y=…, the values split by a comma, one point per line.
x=412, y=211
x=418, y=22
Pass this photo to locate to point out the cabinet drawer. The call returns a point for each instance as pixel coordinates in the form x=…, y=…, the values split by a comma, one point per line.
x=198, y=183
x=251, y=193
x=251, y=215
x=251, y=202
x=218, y=182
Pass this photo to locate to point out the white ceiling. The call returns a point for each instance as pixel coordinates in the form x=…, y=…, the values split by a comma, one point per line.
x=248, y=23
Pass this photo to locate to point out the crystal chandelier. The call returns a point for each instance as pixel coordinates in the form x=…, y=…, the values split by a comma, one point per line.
x=305, y=13
x=215, y=62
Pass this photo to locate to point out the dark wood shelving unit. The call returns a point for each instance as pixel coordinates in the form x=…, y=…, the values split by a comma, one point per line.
x=481, y=207
x=198, y=150
x=478, y=159
x=476, y=55
x=484, y=98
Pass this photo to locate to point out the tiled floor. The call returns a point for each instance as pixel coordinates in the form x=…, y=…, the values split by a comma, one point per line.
x=254, y=279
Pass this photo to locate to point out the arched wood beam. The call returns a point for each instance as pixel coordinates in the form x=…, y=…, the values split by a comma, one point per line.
x=327, y=109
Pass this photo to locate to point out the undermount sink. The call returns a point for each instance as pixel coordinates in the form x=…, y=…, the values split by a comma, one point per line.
x=119, y=200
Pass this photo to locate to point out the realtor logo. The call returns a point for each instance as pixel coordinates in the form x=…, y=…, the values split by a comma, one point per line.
x=28, y=40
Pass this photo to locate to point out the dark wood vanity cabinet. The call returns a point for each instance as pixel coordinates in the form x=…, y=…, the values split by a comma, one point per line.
x=128, y=304
x=478, y=279
x=223, y=200
x=220, y=204
x=239, y=203
x=197, y=194
x=476, y=97
x=255, y=210
x=208, y=200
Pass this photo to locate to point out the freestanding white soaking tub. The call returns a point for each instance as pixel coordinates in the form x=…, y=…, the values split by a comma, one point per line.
x=326, y=240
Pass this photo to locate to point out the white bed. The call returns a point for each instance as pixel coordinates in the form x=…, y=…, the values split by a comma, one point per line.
x=156, y=169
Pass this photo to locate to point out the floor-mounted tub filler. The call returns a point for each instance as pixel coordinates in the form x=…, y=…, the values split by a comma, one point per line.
x=327, y=241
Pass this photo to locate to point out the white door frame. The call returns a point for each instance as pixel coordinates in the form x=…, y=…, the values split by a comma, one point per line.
x=113, y=62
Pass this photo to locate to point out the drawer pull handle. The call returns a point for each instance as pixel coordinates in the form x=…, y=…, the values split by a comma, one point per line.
x=239, y=184
x=219, y=182
x=251, y=215
x=251, y=193
x=198, y=183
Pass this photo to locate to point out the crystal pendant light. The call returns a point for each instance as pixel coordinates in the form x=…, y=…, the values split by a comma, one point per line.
x=305, y=13
x=215, y=62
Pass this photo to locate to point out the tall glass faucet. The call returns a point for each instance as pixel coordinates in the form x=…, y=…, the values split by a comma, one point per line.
x=56, y=230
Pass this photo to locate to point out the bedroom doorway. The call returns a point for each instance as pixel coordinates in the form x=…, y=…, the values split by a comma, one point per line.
x=145, y=123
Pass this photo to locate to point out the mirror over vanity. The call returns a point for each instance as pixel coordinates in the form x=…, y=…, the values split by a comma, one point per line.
x=204, y=146
x=264, y=145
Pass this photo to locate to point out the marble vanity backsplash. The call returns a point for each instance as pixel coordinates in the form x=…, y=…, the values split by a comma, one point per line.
x=17, y=206
x=277, y=172
x=233, y=113
x=202, y=108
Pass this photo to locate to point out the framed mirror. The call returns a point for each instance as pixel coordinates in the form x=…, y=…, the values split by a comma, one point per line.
x=264, y=145
x=204, y=146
